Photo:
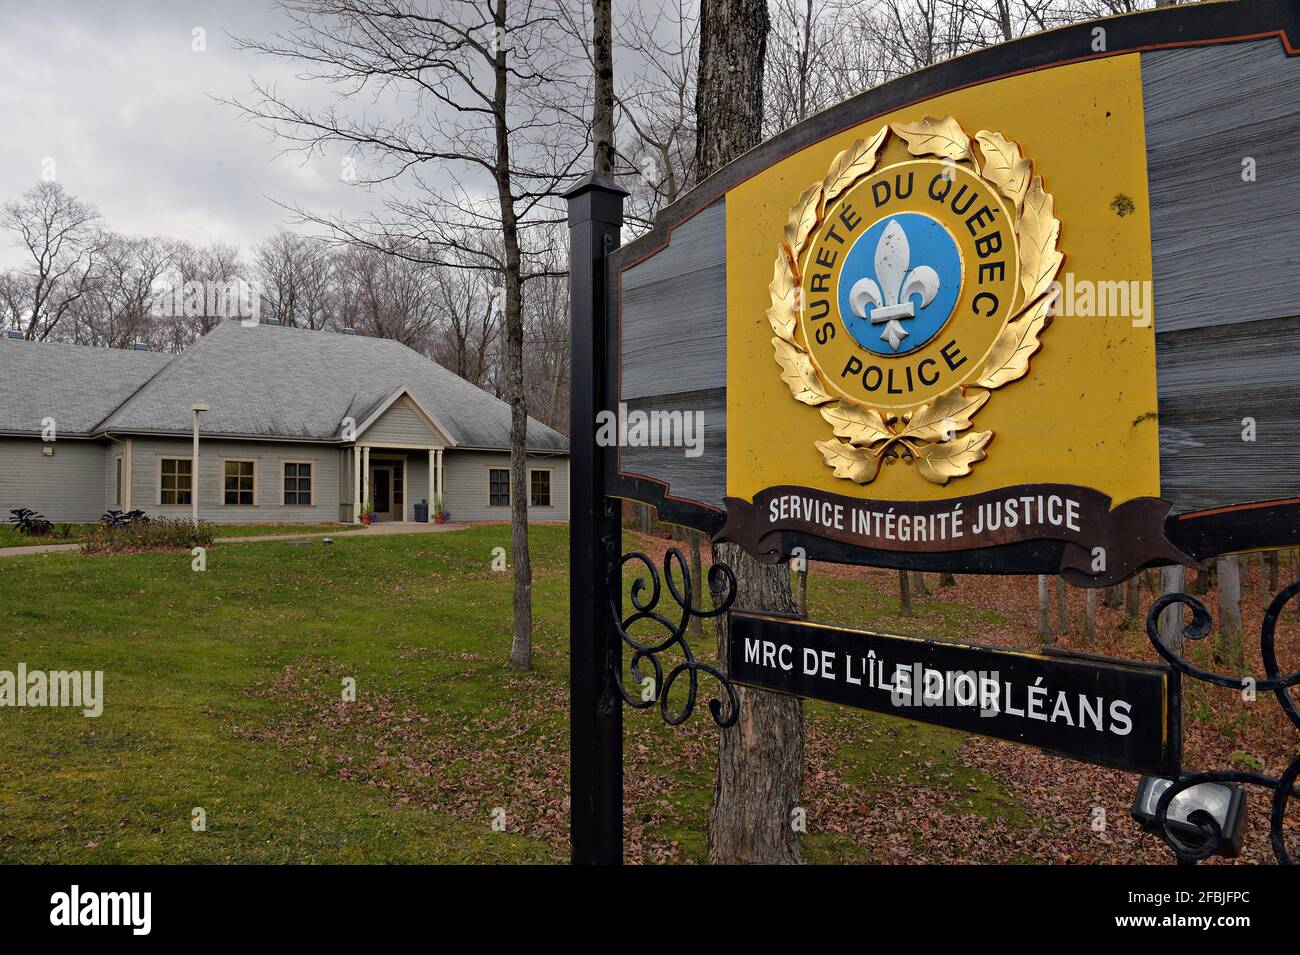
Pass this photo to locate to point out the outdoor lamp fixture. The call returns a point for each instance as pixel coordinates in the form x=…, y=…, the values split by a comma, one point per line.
x=194, y=466
x=1204, y=819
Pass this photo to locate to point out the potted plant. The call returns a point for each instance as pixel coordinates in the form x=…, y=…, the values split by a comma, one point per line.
x=367, y=510
x=439, y=511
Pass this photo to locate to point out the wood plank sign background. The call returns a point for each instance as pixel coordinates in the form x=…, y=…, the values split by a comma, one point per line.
x=1161, y=199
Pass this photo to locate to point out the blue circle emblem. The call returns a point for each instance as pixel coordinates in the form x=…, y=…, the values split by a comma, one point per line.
x=900, y=283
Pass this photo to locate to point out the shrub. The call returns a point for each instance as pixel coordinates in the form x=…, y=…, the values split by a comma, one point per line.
x=29, y=522
x=133, y=536
x=119, y=519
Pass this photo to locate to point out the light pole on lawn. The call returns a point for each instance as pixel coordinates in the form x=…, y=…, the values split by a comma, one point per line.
x=194, y=466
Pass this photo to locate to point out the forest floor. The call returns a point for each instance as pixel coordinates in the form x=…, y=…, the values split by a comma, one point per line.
x=224, y=692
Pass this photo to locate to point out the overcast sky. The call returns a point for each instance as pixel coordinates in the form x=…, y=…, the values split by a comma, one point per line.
x=112, y=91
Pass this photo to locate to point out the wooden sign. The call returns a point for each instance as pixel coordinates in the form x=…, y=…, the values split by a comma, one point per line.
x=1116, y=713
x=1044, y=288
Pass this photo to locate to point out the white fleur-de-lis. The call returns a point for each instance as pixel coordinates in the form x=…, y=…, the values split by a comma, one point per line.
x=895, y=302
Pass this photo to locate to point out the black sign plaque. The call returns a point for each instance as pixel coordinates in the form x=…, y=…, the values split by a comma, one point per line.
x=1119, y=713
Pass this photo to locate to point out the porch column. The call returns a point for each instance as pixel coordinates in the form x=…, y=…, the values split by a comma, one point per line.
x=356, y=485
x=128, y=471
x=442, y=487
x=433, y=476
x=365, y=475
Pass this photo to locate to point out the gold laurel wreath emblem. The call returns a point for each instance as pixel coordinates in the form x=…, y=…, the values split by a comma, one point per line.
x=930, y=435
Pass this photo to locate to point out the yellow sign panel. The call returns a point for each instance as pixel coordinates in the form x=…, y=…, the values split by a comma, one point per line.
x=913, y=343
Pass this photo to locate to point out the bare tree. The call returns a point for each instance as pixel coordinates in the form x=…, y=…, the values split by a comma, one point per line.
x=655, y=97
x=1170, y=625
x=195, y=271
x=469, y=321
x=60, y=236
x=1062, y=607
x=386, y=296
x=1089, y=616
x=1044, y=610
x=492, y=133
x=1228, y=643
x=295, y=279
x=760, y=760
x=117, y=308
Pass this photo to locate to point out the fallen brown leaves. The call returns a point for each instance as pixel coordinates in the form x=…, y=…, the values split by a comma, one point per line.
x=516, y=756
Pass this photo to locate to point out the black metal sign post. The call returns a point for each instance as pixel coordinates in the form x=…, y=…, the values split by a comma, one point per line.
x=595, y=705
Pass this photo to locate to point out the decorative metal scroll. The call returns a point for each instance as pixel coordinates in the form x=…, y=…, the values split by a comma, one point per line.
x=722, y=585
x=1283, y=787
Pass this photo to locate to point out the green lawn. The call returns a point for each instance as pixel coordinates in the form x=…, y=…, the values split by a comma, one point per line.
x=223, y=691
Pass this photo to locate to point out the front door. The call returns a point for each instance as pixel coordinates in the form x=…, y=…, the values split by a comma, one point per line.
x=382, y=482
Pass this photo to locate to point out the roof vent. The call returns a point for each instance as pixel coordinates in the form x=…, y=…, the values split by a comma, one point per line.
x=349, y=331
x=271, y=321
x=139, y=346
x=16, y=333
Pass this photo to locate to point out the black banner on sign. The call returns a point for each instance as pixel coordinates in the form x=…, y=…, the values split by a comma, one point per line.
x=1120, y=713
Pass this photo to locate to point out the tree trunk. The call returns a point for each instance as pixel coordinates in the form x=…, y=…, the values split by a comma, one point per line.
x=1044, y=611
x=729, y=90
x=1227, y=647
x=1170, y=627
x=1089, y=616
x=697, y=575
x=760, y=759
x=602, y=111
x=918, y=584
x=1113, y=596
x=801, y=591
x=904, y=595
x=1062, y=607
x=946, y=579
x=1133, y=597
x=521, y=647
x=1272, y=560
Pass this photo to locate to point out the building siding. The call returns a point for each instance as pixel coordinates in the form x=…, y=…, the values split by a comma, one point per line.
x=77, y=484
x=467, y=486
x=268, y=457
x=66, y=487
x=400, y=425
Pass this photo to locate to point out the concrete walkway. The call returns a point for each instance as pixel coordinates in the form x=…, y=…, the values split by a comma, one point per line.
x=387, y=527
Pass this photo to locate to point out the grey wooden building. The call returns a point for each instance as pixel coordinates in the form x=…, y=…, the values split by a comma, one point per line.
x=301, y=427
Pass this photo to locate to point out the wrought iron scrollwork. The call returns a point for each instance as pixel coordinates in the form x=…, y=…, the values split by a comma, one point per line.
x=1283, y=787
x=722, y=585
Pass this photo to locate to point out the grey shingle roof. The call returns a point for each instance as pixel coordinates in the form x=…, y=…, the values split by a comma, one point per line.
x=280, y=382
x=76, y=385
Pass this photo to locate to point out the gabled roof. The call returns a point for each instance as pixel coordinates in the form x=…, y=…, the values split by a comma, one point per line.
x=265, y=381
x=76, y=385
x=362, y=424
